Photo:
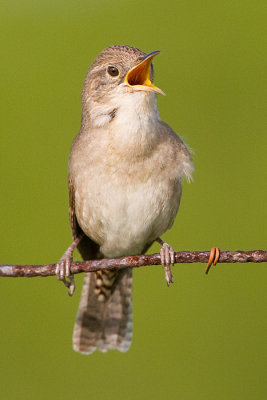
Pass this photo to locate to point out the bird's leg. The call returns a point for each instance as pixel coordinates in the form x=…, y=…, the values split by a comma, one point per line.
x=167, y=259
x=63, y=266
x=214, y=257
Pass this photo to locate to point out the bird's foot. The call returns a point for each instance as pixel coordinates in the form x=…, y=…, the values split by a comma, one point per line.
x=63, y=272
x=213, y=259
x=63, y=267
x=167, y=256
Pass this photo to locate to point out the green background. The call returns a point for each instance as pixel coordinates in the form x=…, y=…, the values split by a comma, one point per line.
x=205, y=336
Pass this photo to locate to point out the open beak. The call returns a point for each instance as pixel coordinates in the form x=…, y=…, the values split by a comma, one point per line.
x=138, y=77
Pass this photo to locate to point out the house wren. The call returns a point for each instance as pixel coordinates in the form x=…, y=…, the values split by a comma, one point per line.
x=125, y=173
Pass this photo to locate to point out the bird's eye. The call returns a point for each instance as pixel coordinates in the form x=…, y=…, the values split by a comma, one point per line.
x=113, y=71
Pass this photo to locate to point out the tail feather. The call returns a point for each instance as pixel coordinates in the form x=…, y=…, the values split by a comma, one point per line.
x=104, y=323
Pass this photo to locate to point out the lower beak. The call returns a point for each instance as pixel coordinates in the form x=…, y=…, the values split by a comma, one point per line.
x=138, y=77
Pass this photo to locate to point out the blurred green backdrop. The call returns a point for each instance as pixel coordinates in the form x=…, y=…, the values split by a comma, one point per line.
x=204, y=337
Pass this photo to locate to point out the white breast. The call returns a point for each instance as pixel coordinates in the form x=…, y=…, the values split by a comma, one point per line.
x=123, y=219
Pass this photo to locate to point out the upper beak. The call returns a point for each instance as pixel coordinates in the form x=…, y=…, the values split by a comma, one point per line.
x=138, y=77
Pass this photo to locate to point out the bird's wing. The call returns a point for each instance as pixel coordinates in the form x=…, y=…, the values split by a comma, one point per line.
x=87, y=247
x=73, y=220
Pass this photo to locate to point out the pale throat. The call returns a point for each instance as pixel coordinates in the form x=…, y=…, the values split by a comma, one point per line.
x=127, y=119
x=137, y=117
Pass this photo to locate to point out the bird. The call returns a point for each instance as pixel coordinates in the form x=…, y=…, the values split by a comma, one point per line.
x=126, y=168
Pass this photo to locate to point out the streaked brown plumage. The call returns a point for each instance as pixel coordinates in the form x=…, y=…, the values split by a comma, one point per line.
x=125, y=173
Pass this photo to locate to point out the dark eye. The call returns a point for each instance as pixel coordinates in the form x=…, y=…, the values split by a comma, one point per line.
x=113, y=71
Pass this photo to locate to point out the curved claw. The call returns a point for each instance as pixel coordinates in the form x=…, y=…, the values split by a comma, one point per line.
x=63, y=267
x=63, y=274
x=167, y=256
x=213, y=259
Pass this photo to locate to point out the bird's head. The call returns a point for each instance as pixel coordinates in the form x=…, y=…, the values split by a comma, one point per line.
x=119, y=75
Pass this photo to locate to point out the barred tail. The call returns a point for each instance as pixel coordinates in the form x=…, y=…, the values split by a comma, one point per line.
x=104, y=319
